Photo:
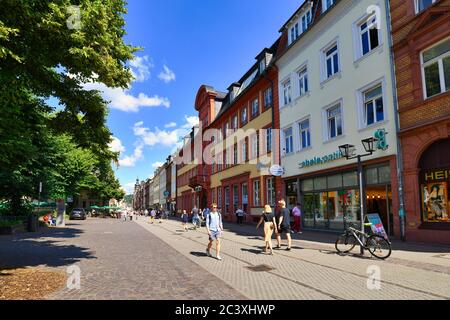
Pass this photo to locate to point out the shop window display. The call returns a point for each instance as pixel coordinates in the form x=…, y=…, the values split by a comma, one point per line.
x=436, y=202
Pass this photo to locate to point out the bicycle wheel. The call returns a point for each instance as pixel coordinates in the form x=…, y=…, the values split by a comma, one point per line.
x=379, y=247
x=345, y=243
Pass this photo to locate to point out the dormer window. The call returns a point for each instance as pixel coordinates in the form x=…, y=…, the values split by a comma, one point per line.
x=294, y=33
x=422, y=5
x=326, y=4
x=306, y=20
x=262, y=65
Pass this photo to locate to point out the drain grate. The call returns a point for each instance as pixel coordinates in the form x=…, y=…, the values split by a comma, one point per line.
x=261, y=268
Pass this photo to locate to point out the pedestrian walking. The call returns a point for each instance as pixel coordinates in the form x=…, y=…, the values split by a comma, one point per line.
x=284, y=225
x=152, y=216
x=268, y=218
x=196, y=218
x=297, y=213
x=214, y=226
x=185, y=220
x=240, y=216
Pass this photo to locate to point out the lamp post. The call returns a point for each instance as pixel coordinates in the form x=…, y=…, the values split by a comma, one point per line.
x=348, y=151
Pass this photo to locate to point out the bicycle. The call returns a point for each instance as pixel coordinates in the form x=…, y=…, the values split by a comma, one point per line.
x=377, y=245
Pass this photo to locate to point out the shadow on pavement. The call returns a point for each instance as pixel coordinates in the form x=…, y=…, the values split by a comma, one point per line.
x=199, y=254
x=254, y=251
x=44, y=248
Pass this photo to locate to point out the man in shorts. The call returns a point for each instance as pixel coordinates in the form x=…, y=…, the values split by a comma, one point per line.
x=284, y=224
x=215, y=227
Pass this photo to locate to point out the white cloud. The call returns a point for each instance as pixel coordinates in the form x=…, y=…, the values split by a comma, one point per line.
x=171, y=125
x=128, y=187
x=191, y=122
x=170, y=137
x=116, y=145
x=156, y=165
x=121, y=99
x=167, y=75
x=140, y=68
x=130, y=161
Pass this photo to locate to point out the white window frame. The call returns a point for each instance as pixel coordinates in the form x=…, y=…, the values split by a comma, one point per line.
x=286, y=87
x=254, y=146
x=440, y=61
x=325, y=7
x=256, y=195
x=253, y=105
x=294, y=32
x=285, y=137
x=244, y=151
x=270, y=191
x=269, y=140
x=323, y=64
x=266, y=96
x=302, y=79
x=304, y=18
x=246, y=116
x=360, y=99
x=416, y=6
x=326, y=133
x=357, y=36
x=308, y=119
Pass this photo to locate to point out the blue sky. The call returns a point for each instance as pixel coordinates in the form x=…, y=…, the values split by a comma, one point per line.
x=186, y=43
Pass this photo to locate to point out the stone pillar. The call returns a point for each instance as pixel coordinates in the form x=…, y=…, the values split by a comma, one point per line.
x=61, y=210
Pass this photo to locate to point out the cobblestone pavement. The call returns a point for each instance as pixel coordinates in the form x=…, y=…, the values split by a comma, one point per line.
x=118, y=260
x=312, y=270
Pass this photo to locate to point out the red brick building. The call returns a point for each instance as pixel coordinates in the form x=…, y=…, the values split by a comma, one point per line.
x=421, y=43
x=237, y=176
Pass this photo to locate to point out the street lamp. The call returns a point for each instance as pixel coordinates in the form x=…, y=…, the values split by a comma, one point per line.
x=348, y=151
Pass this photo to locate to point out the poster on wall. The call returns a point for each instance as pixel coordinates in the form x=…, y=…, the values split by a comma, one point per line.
x=435, y=202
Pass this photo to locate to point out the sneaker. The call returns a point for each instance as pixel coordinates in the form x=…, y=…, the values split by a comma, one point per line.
x=208, y=253
x=219, y=258
x=288, y=249
x=277, y=247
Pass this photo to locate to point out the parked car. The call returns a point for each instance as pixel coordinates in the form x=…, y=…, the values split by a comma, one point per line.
x=77, y=214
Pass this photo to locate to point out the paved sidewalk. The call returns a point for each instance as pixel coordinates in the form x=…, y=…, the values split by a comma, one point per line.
x=312, y=270
x=118, y=260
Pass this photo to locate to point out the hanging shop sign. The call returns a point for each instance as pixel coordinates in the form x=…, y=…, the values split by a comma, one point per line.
x=276, y=170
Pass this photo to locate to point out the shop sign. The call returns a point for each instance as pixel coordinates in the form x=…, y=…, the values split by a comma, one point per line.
x=276, y=170
x=166, y=194
x=380, y=135
x=436, y=175
x=321, y=160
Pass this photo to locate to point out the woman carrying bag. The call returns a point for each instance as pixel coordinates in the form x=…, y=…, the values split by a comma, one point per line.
x=269, y=225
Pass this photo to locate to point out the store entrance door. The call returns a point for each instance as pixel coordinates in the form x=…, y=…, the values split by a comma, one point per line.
x=379, y=200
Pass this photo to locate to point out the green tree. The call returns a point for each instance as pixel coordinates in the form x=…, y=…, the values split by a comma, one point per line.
x=44, y=54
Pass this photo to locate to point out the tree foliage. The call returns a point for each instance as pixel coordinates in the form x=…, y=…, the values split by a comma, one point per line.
x=43, y=56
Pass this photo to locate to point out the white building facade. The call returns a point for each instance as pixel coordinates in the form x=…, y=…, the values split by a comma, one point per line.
x=336, y=88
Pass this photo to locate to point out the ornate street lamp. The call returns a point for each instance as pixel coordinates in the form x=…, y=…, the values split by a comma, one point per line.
x=348, y=151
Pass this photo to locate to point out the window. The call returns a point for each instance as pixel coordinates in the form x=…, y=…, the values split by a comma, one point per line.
x=294, y=33
x=287, y=99
x=256, y=193
x=368, y=35
x=331, y=61
x=306, y=20
x=235, y=154
x=436, y=69
x=255, y=107
x=334, y=121
x=270, y=187
x=303, y=81
x=244, y=145
x=423, y=4
x=244, y=116
x=305, y=134
x=219, y=197
x=255, y=145
x=373, y=106
x=213, y=195
x=326, y=4
x=235, y=122
x=268, y=98
x=288, y=141
x=269, y=140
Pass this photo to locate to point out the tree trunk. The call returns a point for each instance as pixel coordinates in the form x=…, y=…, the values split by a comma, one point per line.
x=16, y=205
